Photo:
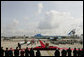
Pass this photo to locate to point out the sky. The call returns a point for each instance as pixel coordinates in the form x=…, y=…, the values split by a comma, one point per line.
x=46, y=17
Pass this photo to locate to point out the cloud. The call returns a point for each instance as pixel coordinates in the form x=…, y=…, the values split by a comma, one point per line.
x=26, y=18
x=40, y=7
x=13, y=25
x=53, y=19
x=15, y=21
x=10, y=28
x=56, y=21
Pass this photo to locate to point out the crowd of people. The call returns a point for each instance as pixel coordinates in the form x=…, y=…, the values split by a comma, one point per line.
x=19, y=52
x=27, y=52
x=69, y=52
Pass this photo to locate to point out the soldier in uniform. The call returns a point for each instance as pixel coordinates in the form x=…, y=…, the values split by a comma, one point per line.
x=16, y=52
x=82, y=52
x=6, y=52
x=22, y=52
x=38, y=53
x=27, y=52
x=31, y=52
x=57, y=52
x=79, y=52
x=64, y=52
x=2, y=51
x=74, y=52
x=10, y=52
x=69, y=52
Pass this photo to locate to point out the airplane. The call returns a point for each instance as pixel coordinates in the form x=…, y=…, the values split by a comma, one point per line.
x=71, y=33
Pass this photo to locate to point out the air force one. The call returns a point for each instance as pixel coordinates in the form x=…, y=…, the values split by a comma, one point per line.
x=72, y=32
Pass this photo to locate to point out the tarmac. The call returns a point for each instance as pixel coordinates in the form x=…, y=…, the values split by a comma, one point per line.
x=13, y=44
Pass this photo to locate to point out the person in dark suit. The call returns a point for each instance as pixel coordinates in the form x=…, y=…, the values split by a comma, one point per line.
x=74, y=52
x=2, y=51
x=38, y=53
x=6, y=52
x=69, y=51
x=57, y=52
x=16, y=52
x=10, y=52
x=64, y=52
x=19, y=45
x=31, y=52
x=27, y=52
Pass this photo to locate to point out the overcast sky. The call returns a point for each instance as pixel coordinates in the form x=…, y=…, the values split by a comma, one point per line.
x=45, y=17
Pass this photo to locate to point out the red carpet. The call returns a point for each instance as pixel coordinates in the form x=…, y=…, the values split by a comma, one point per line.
x=42, y=44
